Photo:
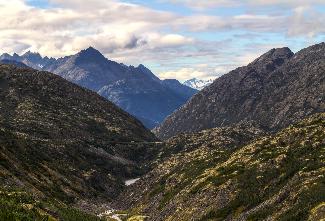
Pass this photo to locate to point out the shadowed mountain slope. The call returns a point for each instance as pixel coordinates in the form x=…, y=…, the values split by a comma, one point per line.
x=275, y=90
x=135, y=89
x=60, y=140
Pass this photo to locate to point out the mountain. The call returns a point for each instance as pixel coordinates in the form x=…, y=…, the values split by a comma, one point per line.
x=64, y=146
x=31, y=59
x=235, y=173
x=197, y=83
x=64, y=142
x=13, y=62
x=135, y=89
x=275, y=90
x=178, y=88
x=88, y=68
x=145, y=96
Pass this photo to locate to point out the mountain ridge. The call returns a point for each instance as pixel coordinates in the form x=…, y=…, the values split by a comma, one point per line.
x=235, y=173
x=90, y=69
x=197, y=84
x=263, y=91
x=66, y=142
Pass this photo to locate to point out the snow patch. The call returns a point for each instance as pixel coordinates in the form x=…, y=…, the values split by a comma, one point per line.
x=197, y=83
x=130, y=182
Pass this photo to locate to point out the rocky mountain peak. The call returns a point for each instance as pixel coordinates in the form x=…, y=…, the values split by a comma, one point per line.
x=141, y=66
x=143, y=69
x=30, y=54
x=135, y=89
x=275, y=53
x=197, y=84
x=15, y=56
x=259, y=92
x=91, y=49
x=5, y=55
x=173, y=81
x=311, y=53
x=273, y=58
x=90, y=55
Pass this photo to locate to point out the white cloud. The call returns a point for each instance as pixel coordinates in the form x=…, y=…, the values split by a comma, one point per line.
x=134, y=34
x=184, y=74
x=200, y=5
x=67, y=28
x=208, y=4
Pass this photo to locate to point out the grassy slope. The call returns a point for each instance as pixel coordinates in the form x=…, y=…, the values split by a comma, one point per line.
x=278, y=177
x=60, y=141
x=18, y=205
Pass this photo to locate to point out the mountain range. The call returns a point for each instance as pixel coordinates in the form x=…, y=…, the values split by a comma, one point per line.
x=197, y=83
x=251, y=146
x=135, y=89
x=275, y=90
x=248, y=147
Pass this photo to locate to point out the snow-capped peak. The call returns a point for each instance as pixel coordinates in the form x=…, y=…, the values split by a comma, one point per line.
x=197, y=83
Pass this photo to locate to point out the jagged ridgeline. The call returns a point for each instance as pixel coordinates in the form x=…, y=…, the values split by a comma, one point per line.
x=275, y=90
x=135, y=89
x=62, y=141
x=218, y=174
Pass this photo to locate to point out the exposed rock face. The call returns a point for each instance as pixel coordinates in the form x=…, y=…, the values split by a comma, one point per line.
x=89, y=69
x=60, y=140
x=228, y=174
x=275, y=90
x=135, y=89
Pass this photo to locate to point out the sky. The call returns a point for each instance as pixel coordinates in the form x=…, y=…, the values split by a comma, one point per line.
x=178, y=39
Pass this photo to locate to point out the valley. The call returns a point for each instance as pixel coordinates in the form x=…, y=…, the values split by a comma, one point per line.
x=250, y=146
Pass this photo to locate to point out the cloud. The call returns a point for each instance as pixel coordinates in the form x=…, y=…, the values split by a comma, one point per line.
x=304, y=21
x=67, y=28
x=208, y=4
x=200, y=5
x=184, y=74
x=169, y=42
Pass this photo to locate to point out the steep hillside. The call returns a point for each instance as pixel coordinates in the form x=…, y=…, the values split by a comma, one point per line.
x=275, y=90
x=145, y=96
x=212, y=176
x=63, y=141
x=135, y=89
x=13, y=62
x=20, y=205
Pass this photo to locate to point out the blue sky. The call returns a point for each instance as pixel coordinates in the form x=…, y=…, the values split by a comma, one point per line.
x=174, y=38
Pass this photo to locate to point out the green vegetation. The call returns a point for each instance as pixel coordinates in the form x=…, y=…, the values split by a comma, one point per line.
x=263, y=177
x=19, y=206
x=64, y=142
x=279, y=177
